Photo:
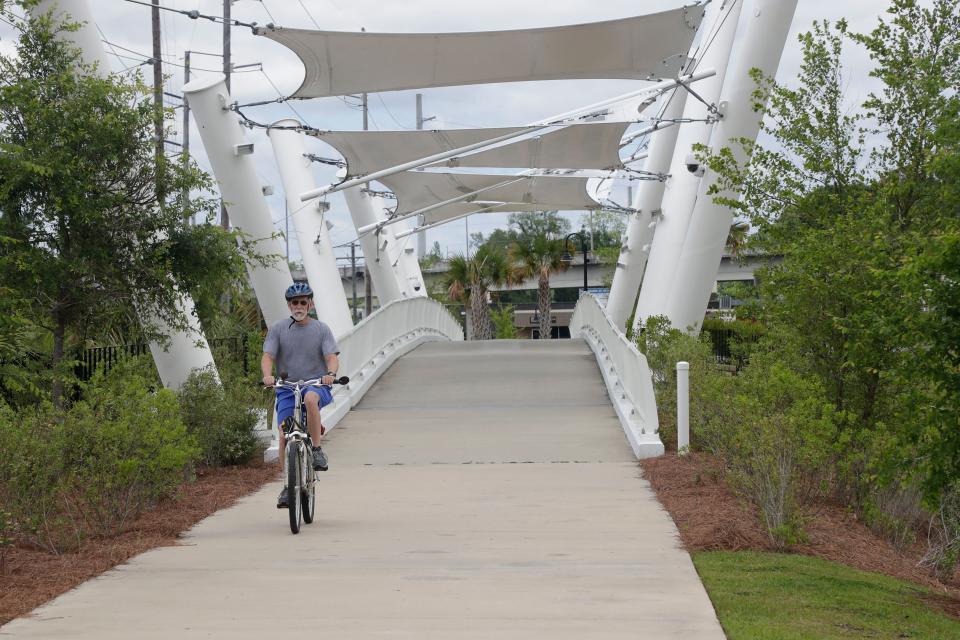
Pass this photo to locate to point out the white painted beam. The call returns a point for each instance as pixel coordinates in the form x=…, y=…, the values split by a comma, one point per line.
x=680, y=192
x=319, y=262
x=767, y=25
x=231, y=157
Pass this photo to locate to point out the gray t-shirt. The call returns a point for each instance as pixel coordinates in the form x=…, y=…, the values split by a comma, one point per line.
x=300, y=351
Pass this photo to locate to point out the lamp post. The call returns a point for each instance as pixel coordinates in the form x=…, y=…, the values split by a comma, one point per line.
x=567, y=257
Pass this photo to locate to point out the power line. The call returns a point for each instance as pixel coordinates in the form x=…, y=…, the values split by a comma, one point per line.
x=390, y=113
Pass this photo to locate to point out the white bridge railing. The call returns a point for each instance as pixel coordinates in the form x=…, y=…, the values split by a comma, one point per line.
x=369, y=348
x=626, y=374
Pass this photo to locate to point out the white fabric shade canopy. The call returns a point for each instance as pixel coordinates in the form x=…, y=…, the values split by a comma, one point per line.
x=418, y=189
x=579, y=146
x=640, y=48
x=460, y=209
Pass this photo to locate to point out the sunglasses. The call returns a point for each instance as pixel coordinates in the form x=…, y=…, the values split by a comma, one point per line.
x=299, y=302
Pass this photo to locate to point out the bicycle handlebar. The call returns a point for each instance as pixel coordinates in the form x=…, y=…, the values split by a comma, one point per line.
x=282, y=382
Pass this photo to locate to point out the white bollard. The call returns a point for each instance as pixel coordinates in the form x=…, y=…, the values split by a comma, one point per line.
x=683, y=408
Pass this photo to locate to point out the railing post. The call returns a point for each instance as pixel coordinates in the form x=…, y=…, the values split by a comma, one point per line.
x=683, y=408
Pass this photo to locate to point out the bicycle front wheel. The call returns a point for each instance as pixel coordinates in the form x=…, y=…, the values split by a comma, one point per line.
x=294, y=488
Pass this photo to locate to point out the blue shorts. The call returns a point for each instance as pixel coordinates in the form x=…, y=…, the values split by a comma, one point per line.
x=286, y=400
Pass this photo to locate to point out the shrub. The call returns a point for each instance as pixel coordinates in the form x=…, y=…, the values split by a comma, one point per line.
x=778, y=443
x=31, y=477
x=222, y=417
x=709, y=387
x=125, y=452
x=503, y=326
x=92, y=469
x=943, y=536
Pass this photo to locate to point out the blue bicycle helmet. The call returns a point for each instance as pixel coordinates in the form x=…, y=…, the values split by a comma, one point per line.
x=298, y=290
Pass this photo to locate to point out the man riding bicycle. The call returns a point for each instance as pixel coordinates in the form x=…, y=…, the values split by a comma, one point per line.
x=304, y=349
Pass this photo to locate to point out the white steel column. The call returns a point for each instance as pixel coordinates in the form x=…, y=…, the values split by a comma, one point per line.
x=315, y=247
x=404, y=258
x=186, y=350
x=767, y=26
x=86, y=38
x=231, y=158
x=633, y=255
x=680, y=192
x=364, y=211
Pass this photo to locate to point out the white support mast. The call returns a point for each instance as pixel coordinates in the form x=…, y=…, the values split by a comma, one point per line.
x=378, y=267
x=680, y=192
x=231, y=157
x=186, y=350
x=308, y=219
x=767, y=26
x=405, y=261
x=633, y=255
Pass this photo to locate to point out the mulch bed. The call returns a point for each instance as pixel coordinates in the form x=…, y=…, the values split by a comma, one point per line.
x=33, y=577
x=710, y=517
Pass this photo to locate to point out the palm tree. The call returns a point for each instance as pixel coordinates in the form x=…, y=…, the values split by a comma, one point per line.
x=539, y=257
x=469, y=279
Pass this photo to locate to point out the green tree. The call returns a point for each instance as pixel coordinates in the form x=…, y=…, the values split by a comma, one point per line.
x=606, y=226
x=469, y=280
x=533, y=224
x=539, y=257
x=861, y=203
x=78, y=185
x=503, y=324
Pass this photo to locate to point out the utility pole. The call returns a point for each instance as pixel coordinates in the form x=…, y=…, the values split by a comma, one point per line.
x=363, y=98
x=353, y=279
x=157, y=94
x=422, y=236
x=367, y=293
x=186, y=125
x=227, y=67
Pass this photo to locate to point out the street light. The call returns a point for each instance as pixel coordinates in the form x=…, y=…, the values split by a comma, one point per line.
x=567, y=257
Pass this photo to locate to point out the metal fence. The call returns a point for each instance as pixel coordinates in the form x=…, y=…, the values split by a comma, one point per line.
x=89, y=360
x=723, y=341
x=94, y=358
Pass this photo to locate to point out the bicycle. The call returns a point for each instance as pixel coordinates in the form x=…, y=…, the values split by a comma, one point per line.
x=298, y=473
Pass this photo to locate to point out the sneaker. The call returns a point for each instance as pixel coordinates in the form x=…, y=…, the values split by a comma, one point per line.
x=282, y=501
x=319, y=459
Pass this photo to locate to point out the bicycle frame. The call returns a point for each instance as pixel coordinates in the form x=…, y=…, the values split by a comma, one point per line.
x=299, y=475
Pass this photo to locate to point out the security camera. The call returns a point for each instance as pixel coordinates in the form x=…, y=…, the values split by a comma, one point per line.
x=693, y=165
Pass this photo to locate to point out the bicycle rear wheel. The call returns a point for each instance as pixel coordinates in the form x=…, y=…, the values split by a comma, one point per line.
x=309, y=493
x=294, y=489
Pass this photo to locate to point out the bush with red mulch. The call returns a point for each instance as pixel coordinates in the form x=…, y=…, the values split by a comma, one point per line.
x=33, y=577
x=710, y=517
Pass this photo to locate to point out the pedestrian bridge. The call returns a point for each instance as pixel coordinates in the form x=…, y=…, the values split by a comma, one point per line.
x=476, y=490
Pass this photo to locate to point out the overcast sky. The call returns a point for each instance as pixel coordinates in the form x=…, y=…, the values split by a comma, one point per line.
x=127, y=25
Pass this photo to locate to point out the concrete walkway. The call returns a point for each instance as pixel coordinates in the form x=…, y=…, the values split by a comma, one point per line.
x=480, y=490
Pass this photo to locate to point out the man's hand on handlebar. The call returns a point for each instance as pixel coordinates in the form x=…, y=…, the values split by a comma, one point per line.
x=269, y=381
x=328, y=379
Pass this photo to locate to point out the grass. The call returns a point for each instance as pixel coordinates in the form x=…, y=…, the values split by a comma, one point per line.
x=767, y=596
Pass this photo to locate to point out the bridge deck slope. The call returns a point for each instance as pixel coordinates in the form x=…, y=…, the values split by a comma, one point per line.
x=479, y=490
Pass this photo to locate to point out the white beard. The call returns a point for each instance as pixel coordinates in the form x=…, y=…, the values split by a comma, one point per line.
x=299, y=315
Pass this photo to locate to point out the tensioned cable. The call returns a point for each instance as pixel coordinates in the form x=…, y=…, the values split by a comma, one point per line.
x=263, y=3
x=194, y=14
x=280, y=94
x=309, y=15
